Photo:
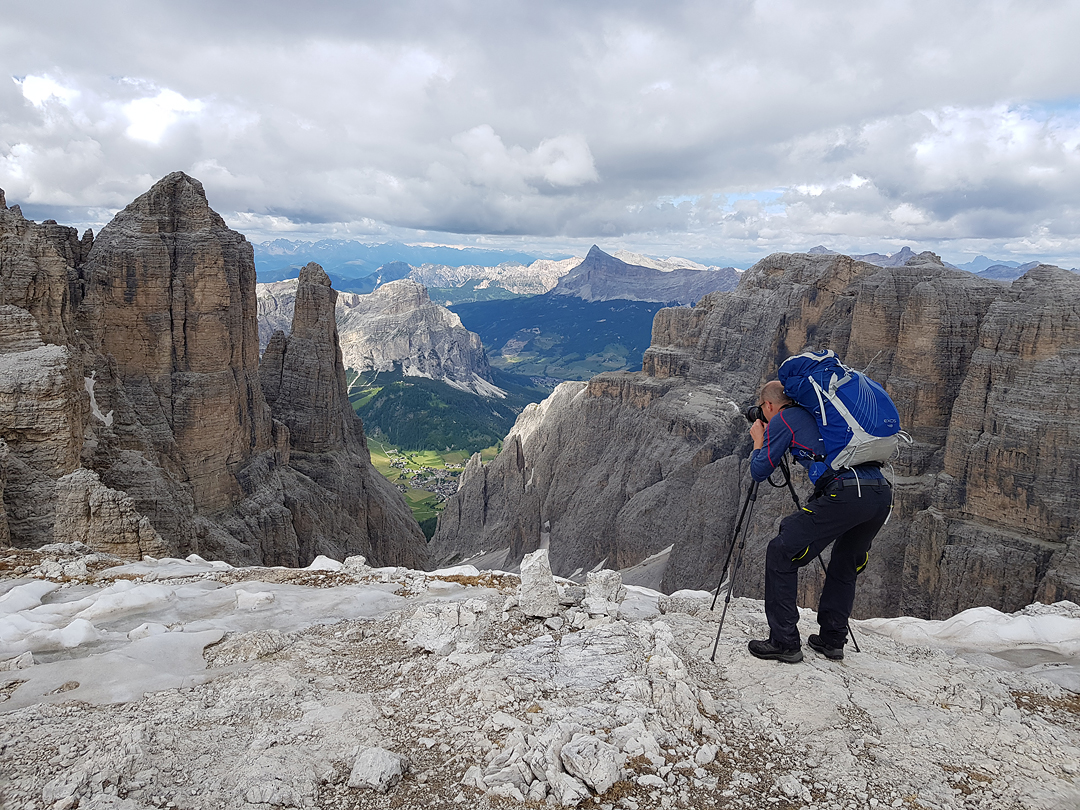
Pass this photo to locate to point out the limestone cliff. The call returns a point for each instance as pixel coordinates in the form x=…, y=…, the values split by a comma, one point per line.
x=535, y=279
x=397, y=325
x=169, y=297
x=131, y=411
x=42, y=407
x=276, y=304
x=302, y=376
x=985, y=498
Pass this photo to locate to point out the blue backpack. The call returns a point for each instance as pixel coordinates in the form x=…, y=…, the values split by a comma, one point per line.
x=858, y=421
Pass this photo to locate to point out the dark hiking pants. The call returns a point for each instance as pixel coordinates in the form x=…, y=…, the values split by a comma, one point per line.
x=839, y=514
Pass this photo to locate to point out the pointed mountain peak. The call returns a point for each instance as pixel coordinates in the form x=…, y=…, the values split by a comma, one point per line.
x=174, y=204
x=596, y=253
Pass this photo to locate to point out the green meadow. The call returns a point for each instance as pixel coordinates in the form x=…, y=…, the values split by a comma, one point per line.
x=425, y=505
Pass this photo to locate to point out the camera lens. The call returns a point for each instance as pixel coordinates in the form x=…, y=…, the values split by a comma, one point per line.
x=754, y=414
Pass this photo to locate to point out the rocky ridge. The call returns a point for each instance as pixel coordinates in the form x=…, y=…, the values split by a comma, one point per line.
x=533, y=279
x=670, y=263
x=601, y=277
x=131, y=409
x=438, y=690
x=395, y=326
x=303, y=380
x=622, y=467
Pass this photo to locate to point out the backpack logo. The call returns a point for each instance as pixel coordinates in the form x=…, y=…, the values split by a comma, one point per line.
x=856, y=417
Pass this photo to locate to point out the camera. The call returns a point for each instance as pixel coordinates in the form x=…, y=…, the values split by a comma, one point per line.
x=754, y=414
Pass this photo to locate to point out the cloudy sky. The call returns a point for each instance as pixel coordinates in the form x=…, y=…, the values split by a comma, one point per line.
x=698, y=129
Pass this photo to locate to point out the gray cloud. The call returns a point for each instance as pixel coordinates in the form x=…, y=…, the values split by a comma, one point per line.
x=713, y=129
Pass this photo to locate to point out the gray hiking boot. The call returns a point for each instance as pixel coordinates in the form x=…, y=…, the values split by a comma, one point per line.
x=771, y=652
x=818, y=645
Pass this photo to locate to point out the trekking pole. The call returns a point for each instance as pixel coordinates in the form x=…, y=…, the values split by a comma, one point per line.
x=791, y=488
x=751, y=494
x=751, y=497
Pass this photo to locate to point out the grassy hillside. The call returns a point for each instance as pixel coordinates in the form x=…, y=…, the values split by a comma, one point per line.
x=559, y=336
x=415, y=413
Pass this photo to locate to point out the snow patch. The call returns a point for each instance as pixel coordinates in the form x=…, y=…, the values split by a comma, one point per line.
x=88, y=383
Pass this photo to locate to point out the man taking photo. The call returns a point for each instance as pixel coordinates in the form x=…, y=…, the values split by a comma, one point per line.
x=848, y=506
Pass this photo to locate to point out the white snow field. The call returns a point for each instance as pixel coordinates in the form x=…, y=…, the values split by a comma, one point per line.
x=189, y=684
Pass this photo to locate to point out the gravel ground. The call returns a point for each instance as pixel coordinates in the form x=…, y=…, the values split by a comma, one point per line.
x=495, y=709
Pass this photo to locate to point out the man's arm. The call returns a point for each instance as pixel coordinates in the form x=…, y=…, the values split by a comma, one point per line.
x=770, y=443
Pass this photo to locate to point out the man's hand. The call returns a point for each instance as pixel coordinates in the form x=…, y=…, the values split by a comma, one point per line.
x=757, y=432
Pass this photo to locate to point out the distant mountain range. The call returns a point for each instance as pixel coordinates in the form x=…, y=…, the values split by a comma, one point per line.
x=474, y=282
x=898, y=259
x=998, y=270
x=283, y=258
x=552, y=338
x=460, y=277
x=395, y=327
x=551, y=321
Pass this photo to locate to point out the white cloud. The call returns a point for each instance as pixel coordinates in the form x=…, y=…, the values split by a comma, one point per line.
x=566, y=161
x=563, y=161
x=40, y=89
x=150, y=117
x=870, y=121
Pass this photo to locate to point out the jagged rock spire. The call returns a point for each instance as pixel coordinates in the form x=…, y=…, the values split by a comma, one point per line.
x=302, y=375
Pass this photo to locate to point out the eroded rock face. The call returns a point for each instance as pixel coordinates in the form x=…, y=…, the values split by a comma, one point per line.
x=42, y=409
x=170, y=298
x=631, y=463
x=302, y=375
x=131, y=411
x=1014, y=436
x=89, y=512
x=42, y=412
x=276, y=304
x=37, y=270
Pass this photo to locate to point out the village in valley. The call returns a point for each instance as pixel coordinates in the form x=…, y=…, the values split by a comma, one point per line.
x=443, y=482
x=426, y=478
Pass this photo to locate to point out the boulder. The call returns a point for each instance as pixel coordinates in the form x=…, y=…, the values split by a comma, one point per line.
x=603, y=593
x=377, y=769
x=593, y=761
x=537, y=594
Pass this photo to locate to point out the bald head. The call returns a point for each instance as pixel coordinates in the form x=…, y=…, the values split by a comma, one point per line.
x=773, y=391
